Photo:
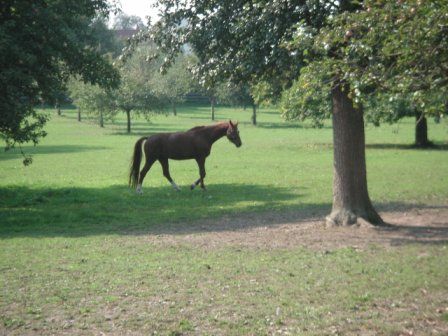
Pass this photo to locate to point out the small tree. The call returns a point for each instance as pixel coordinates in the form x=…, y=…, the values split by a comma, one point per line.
x=134, y=96
x=136, y=92
x=93, y=100
x=173, y=85
x=391, y=108
x=237, y=95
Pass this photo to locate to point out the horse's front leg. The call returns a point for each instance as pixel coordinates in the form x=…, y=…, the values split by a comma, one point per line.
x=201, y=165
x=166, y=173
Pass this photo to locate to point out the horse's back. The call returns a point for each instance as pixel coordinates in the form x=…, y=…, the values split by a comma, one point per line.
x=177, y=145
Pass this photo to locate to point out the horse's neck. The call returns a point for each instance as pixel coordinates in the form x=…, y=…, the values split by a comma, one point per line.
x=216, y=132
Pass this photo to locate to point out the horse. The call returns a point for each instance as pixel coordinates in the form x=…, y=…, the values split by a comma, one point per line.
x=195, y=143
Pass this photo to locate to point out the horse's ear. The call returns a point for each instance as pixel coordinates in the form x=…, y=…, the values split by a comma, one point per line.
x=230, y=123
x=236, y=124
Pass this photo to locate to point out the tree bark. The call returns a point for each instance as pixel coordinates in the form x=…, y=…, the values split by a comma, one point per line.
x=254, y=114
x=213, y=107
x=421, y=130
x=79, y=114
x=174, y=108
x=351, y=202
x=58, y=107
x=128, y=116
x=101, y=119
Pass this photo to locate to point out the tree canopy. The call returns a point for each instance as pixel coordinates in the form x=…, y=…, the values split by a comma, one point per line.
x=238, y=40
x=392, y=55
x=172, y=86
x=41, y=44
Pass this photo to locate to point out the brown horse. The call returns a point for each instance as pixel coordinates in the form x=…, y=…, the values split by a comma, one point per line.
x=195, y=143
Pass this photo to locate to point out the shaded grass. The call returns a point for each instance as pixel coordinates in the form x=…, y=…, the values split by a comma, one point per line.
x=86, y=211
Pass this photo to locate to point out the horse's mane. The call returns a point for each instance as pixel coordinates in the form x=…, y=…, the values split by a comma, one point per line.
x=197, y=128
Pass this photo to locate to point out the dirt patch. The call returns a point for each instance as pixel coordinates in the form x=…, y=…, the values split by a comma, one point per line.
x=422, y=225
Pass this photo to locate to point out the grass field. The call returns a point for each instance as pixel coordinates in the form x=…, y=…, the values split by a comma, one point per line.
x=75, y=256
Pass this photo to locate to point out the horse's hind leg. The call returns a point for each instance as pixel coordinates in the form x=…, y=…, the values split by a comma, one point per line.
x=143, y=172
x=166, y=173
x=195, y=183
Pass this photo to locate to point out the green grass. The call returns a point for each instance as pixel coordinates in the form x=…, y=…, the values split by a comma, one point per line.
x=75, y=258
x=78, y=181
x=110, y=283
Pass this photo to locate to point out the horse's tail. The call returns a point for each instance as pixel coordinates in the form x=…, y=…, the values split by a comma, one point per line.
x=135, y=162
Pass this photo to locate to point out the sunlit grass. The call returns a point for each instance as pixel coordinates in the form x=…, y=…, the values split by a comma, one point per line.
x=80, y=171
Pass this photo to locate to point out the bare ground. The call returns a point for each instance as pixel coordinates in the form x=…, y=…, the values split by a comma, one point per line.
x=422, y=225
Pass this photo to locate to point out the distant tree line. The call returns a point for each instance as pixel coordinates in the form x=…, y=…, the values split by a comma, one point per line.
x=146, y=89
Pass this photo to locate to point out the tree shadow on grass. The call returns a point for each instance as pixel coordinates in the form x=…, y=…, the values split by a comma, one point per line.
x=48, y=149
x=287, y=125
x=436, y=146
x=277, y=113
x=117, y=209
x=81, y=212
x=409, y=234
x=143, y=129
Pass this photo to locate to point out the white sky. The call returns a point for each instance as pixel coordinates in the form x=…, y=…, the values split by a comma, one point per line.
x=140, y=8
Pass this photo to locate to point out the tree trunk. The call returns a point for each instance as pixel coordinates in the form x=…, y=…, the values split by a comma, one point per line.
x=58, y=107
x=421, y=130
x=254, y=114
x=79, y=114
x=128, y=117
x=351, y=202
x=213, y=107
x=174, y=108
x=101, y=119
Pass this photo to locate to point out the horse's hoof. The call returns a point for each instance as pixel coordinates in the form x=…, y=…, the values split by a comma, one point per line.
x=192, y=186
x=175, y=186
x=139, y=190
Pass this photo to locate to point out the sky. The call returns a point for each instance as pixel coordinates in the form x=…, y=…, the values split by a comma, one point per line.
x=140, y=8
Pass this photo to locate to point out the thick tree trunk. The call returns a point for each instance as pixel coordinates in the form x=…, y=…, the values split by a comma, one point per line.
x=213, y=107
x=351, y=202
x=421, y=131
x=101, y=119
x=79, y=114
x=174, y=108
x=254, y=114
x=128, y=117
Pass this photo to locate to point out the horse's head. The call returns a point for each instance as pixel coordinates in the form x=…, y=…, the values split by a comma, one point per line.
x=233, y=134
